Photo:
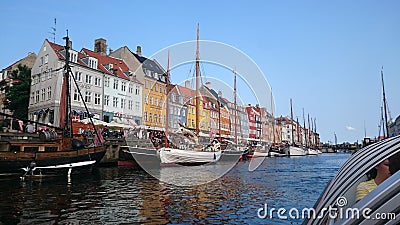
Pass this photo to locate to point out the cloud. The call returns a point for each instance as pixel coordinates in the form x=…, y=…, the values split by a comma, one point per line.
x=350, y=128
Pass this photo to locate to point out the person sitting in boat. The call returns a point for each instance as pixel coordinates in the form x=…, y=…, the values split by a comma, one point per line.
x=30, y=128
x=375, y=177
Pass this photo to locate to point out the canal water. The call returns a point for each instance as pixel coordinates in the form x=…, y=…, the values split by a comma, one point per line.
x=131, y=196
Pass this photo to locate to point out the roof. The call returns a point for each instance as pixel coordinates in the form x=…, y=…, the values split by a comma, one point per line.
x=58, y=50
x=118, y=69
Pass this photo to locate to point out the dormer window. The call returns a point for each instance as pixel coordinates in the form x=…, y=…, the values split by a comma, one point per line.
x=92, y=63
x=73, y=56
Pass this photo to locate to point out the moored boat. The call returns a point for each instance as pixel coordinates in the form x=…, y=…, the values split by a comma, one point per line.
x=294, y=151
x=53, y=149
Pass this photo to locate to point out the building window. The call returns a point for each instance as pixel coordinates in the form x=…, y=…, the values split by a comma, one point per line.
x=78, y=76
x=106, y=100
x=88, y=79
x=130, y=88
x=130, y=104
x=115, y=102
x=97, y=81
x=123, y=86
x=37, y=97
x=76, y=95
x=43, y=94
x=115, y=84
x=145, y=116
x=88, y=96
x=150, y=117
x=122, y=103
x=155, y=118
x=137, y=106
x=106, y=82
x=136, y=89
x=48, y=93
x=97, y=98
x=32, y=97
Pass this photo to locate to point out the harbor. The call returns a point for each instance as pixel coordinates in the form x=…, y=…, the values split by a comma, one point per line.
x=125, y=195
x=211, y=112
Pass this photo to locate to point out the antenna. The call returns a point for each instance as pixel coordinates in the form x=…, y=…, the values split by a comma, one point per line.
x=54, y=29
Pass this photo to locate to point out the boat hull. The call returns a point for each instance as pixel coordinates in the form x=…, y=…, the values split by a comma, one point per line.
x=141, y=157
x=295, y=151
x=188, y=157
x=13, y=162
x=312, y=152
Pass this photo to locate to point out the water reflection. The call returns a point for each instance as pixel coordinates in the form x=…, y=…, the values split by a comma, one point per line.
x=118, y=196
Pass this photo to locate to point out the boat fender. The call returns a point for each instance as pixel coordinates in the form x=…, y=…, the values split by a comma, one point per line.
x=77, y=144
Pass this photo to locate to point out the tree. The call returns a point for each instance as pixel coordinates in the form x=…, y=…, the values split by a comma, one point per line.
x=17, y=94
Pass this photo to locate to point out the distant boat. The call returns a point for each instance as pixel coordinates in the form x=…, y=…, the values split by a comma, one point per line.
x=49, y=151
x=196, y=153
x=292, y=149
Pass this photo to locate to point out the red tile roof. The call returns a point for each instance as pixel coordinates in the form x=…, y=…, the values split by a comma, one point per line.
x=119, y=66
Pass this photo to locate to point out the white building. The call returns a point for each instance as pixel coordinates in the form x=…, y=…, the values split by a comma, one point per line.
x=122, y=90
x=47, y=79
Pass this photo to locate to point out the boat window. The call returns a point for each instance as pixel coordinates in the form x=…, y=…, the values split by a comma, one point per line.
x=4, y=146
x=15, y=148
x=31, y=149
x=50, y=149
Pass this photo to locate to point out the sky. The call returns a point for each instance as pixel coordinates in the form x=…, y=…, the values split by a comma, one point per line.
x=326, y=56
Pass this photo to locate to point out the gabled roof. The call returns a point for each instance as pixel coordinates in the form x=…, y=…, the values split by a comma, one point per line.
x=58, y=49
x=187, y=92
x=119, y=68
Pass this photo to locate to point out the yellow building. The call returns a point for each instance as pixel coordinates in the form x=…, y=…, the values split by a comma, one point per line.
x=154, y=106
x=189, y=96
x=152, y=75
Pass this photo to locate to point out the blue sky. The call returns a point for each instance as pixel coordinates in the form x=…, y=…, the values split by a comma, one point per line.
x=325, y=55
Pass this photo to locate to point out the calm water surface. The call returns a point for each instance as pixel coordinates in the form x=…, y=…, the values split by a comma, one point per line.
x=131, y=196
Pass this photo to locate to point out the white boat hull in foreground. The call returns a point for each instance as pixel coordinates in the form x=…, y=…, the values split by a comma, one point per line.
x=295, y=151
x=188, y=157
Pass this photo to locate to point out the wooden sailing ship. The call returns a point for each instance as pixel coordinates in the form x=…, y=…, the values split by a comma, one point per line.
x=53, y=149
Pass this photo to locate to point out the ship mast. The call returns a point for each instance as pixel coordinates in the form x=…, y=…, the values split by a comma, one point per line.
x=291, y=120
x=67, y=96
x=384, y=105
x=167, y=105
x=197, y=81
x=235, y=105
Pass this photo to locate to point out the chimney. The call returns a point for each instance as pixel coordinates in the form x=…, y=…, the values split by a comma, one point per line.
x=208, y=85
x=100, y=46
x=187, y=83
x=219, y=94
x=110, y=51
x=70, y=44
x=139, y=50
